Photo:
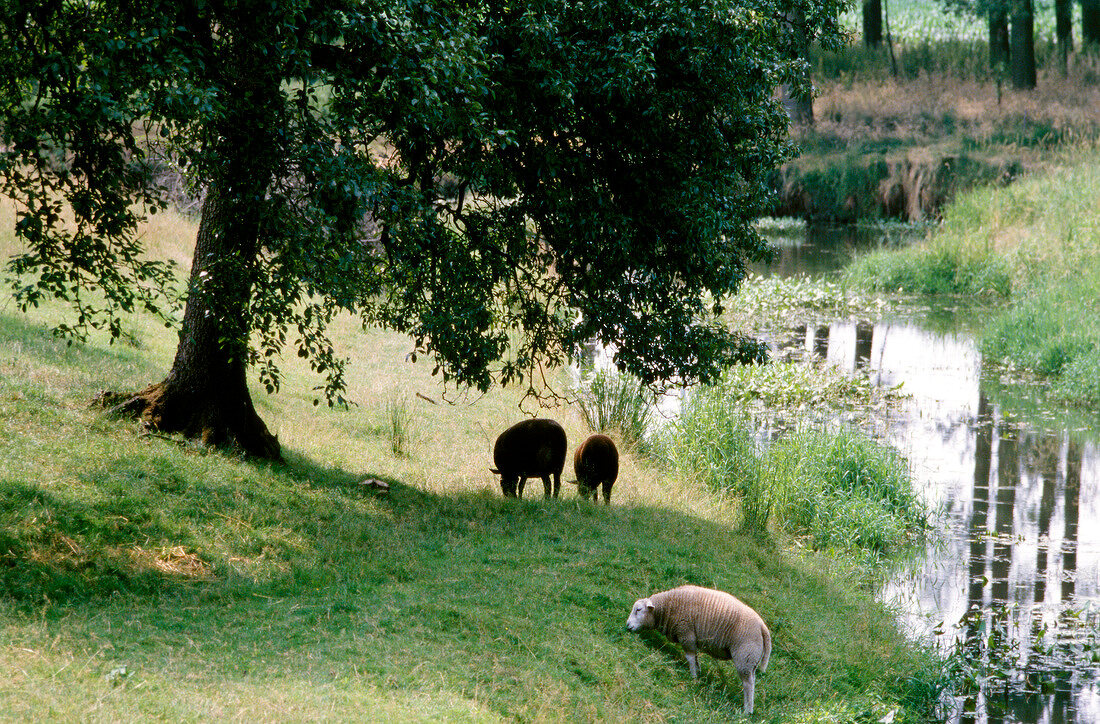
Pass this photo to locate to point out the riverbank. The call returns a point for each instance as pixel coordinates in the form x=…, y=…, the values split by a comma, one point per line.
x=1034, y=245
x=147, y=578
x=904, y=147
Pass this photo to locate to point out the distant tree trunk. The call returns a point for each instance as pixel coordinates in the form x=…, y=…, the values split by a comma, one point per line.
x=1023, y=47
x=872, y=23
x=799, y=105
x=1063, y=27
x=1090, y=23
x=998, y=41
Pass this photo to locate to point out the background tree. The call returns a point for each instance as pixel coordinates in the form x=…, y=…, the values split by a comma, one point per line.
x=1063, y=30
x=1023, y=45
x=999, y=46
x=1090, y=23
x=872, y=23
x=420, y=164
x=1011, y=36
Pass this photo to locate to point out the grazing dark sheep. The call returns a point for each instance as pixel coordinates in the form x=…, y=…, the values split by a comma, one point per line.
x=528, y=449
x=714, y=622
x=596, y=463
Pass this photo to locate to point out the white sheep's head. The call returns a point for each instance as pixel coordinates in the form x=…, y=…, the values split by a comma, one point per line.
x=641, y=616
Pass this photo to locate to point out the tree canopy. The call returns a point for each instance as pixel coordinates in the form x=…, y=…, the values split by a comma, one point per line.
x=499, y=181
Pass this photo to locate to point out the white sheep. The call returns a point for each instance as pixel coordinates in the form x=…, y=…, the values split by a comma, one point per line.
x=714, y=622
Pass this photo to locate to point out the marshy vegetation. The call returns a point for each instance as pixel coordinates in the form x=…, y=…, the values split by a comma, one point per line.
x=1033, y=248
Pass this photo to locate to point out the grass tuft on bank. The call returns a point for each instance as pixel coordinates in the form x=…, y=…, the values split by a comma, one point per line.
x=836, y=488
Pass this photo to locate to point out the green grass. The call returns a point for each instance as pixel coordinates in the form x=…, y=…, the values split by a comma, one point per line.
x=1034, y=245
x=147, y=578
x=839, y=490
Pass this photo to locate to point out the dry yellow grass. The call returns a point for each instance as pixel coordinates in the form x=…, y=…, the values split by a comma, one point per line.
x=858, y=109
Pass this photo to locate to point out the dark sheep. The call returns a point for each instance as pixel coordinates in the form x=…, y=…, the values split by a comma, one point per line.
x=596, y=463
x=529, y=449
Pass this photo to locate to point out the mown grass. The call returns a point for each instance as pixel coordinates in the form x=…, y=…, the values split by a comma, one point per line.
x=147, y=578
x=1035, y=244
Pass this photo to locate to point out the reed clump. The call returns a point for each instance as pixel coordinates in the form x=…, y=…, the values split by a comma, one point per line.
x=838, y=489
x=611, y=401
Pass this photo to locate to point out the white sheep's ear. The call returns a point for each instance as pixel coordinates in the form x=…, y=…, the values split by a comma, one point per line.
x=649, y=605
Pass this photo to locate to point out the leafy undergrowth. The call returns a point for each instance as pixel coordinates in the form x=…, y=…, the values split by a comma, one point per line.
x=144, y=578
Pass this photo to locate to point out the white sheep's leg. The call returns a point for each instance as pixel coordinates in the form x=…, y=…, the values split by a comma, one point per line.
x=693, y=664
x=748, y=684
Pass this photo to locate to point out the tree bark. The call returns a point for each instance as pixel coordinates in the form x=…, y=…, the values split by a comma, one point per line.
x=998, y=41
x=205, y=395
x=872, y=23
x=1023, y=47
x=1063, y=27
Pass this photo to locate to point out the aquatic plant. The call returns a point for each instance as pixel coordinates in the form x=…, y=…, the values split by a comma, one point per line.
x=807, y=383
x=771, y=302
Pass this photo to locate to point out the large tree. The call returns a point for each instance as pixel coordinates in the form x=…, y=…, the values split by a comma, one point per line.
x=500, y=181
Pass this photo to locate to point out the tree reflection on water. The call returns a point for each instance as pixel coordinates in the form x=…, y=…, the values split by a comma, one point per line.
x=1011, y=590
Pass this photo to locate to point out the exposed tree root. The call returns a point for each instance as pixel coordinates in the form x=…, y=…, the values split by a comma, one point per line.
x=217, y=422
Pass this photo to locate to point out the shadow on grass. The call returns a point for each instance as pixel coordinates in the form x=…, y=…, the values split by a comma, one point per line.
x=223, y=567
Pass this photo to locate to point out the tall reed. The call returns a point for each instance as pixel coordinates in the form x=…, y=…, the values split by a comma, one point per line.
x=401, y=423
x=613, y=401
x=840, y=489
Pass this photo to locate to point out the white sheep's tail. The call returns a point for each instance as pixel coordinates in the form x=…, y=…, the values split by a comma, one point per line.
x=767, y=648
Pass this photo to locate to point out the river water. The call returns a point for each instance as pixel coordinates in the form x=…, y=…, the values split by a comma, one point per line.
x=1009, y=586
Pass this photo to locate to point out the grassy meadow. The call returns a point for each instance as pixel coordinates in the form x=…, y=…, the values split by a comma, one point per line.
x=145, y=578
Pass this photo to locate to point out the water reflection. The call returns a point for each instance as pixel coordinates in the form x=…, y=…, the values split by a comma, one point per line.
x=819, y=249
x=1012, y=587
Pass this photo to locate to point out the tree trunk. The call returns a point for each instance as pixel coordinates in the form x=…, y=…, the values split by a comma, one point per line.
x=1090, y=23
x=1063, y=27
x=998, y=41
x=872, y=23
x=205, y=395
x=1023, y=47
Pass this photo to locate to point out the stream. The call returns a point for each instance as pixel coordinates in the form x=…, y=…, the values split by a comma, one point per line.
x=1008, y=588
